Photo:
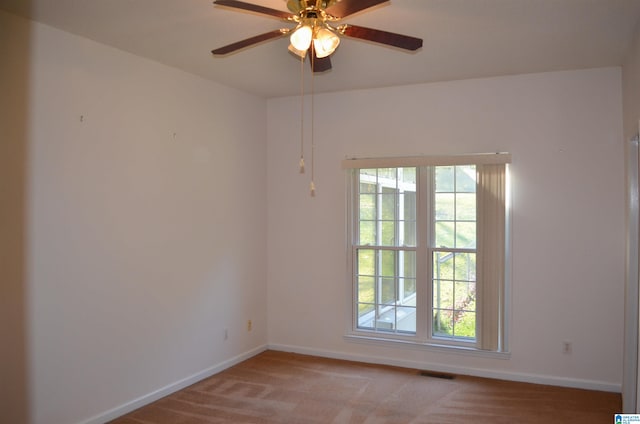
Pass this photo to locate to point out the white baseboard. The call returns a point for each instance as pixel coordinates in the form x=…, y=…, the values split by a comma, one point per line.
x=476, y=372
x=171, y=388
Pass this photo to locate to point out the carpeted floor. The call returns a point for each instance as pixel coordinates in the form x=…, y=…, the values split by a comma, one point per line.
x=278, y=387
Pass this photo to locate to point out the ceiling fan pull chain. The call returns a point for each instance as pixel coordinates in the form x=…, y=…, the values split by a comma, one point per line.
x=301, y=115
x=312, y=186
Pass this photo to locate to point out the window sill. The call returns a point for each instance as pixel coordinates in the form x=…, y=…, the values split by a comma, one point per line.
x=413, y=345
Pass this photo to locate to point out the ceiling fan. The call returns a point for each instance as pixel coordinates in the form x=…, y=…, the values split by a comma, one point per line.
x=314, y=32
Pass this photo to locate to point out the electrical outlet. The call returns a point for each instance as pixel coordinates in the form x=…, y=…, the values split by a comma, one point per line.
x=567, y=347
x=249, y=325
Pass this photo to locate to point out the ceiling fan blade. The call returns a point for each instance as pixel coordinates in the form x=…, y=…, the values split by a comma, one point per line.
x=254, y=8
x=382, y=37
x=345, y=8
x=250, y=41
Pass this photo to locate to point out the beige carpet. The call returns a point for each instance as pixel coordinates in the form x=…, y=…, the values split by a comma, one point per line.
x=277, y=387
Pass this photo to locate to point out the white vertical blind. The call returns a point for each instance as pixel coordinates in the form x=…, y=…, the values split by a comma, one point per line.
x=491, y=252
x=630, y=360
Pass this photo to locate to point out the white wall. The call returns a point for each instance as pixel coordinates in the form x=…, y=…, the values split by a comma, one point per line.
x=564, y=130
x=146, y=227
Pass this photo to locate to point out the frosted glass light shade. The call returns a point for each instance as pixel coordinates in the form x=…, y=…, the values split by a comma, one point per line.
x=301, y=53
x=325, y=43
x=301, y=38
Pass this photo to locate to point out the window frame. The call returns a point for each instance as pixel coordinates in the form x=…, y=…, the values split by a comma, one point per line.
x=425, y=216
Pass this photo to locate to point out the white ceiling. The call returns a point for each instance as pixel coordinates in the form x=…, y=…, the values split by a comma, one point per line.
x=462, y=39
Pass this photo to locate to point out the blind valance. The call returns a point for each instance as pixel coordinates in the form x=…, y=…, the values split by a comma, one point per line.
x=409, y=161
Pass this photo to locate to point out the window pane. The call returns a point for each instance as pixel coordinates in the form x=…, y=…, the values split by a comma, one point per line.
x=444, y=179
x=465, y=267
x=388, y=290
x=445, y=231
x=387, y=320
x=408, y=177
x=466, y=235
x=465, y=324
x=465, y=298
x=443, y=294
x=454, y=294
x=408, y=289
x=409, y=264
x=465, y=206
x=408, y=200
x=466, y=179
x=472, y=305
x=443, y=265
x=366, y=262
x=445, y=206
x=388, y=200
x=367, y=187
x=367, y=206
x=406, y=319
x=409, y=229
x=366, y=315
x=388, y=174
x=388, y=233
x=442, y=323
x=388, y=263
x=366, y=291
x=367, y=232
x=368, y=174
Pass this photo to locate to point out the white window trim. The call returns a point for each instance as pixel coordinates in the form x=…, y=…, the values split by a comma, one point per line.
x=422, y=338
x=417, y=345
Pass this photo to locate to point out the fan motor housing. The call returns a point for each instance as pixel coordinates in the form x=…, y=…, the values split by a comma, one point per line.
x=296, y=6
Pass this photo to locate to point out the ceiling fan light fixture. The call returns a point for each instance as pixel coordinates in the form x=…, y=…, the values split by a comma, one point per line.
x=300, y=53
x=301, y=38
x=313, y=18
x=325, y=42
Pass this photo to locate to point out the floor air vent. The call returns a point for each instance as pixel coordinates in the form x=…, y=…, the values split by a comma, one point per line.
x=434, y=374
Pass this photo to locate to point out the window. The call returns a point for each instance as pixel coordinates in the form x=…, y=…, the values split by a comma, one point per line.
x=386, y=253
x=427, y=249
x=453, y=249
